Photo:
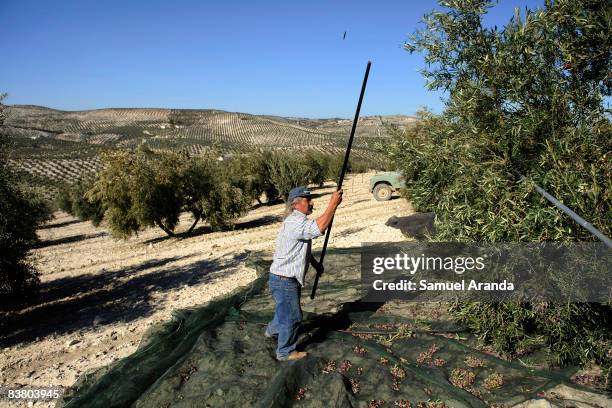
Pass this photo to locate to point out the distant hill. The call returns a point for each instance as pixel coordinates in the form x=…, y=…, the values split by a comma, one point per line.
x=198, y=125
x=54, y=146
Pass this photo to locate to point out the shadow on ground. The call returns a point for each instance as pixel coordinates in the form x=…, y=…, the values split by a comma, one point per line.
x=72, y=303
x=319, y=326
x=419, y=225
x=68, y=240
x=206, y=229
x=350, y=231
x=59, y=224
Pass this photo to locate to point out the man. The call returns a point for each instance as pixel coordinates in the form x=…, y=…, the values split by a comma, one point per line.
x=289, y=265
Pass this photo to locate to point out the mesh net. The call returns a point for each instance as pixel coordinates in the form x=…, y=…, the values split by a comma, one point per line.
x=360, y=354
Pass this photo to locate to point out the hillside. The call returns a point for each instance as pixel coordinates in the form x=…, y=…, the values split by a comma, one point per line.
x=33, y=121
x=53, y=146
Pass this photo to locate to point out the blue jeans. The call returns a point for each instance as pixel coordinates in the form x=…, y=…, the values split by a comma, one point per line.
x=287, y=314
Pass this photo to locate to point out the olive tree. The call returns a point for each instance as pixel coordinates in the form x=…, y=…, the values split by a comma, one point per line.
x=526, y=99
x=318, y=165
x=286, y=170
x=261, y=169
x=73, y=200
x=215, y=191
x=21, y=212
x=143, y=188
x=138, y=189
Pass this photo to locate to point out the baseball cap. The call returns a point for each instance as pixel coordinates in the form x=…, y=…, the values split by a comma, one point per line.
x=300, y=191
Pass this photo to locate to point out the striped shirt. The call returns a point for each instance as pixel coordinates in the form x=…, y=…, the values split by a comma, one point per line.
x=293, y=246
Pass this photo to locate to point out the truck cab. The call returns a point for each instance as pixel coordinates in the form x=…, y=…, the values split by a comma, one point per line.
x=383, y=185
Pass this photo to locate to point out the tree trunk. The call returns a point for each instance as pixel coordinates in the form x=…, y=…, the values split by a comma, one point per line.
x=163, y=227
x=197, y=218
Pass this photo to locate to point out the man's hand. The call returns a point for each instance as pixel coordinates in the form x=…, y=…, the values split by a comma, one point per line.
x=336, y=198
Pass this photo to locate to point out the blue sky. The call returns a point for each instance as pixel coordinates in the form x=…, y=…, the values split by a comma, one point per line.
x=282, y=58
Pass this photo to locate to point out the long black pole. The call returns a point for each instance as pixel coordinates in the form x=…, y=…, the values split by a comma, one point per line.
x=342, y=172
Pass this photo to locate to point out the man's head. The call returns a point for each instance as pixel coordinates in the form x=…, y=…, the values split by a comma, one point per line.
x=300, y=199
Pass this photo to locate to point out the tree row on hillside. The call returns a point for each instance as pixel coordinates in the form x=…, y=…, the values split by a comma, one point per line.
x=145, y=188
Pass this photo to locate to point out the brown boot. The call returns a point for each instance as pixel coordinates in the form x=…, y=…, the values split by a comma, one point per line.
x=296, y=355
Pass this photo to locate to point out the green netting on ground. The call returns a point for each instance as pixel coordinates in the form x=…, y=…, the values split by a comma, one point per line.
x=360, y=354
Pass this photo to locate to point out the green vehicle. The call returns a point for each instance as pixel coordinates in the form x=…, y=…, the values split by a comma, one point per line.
x=383, y=185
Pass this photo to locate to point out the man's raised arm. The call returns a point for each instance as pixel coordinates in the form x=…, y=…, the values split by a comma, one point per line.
x=324, y=219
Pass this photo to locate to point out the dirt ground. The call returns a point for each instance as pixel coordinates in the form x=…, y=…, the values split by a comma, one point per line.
x=99, y=295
